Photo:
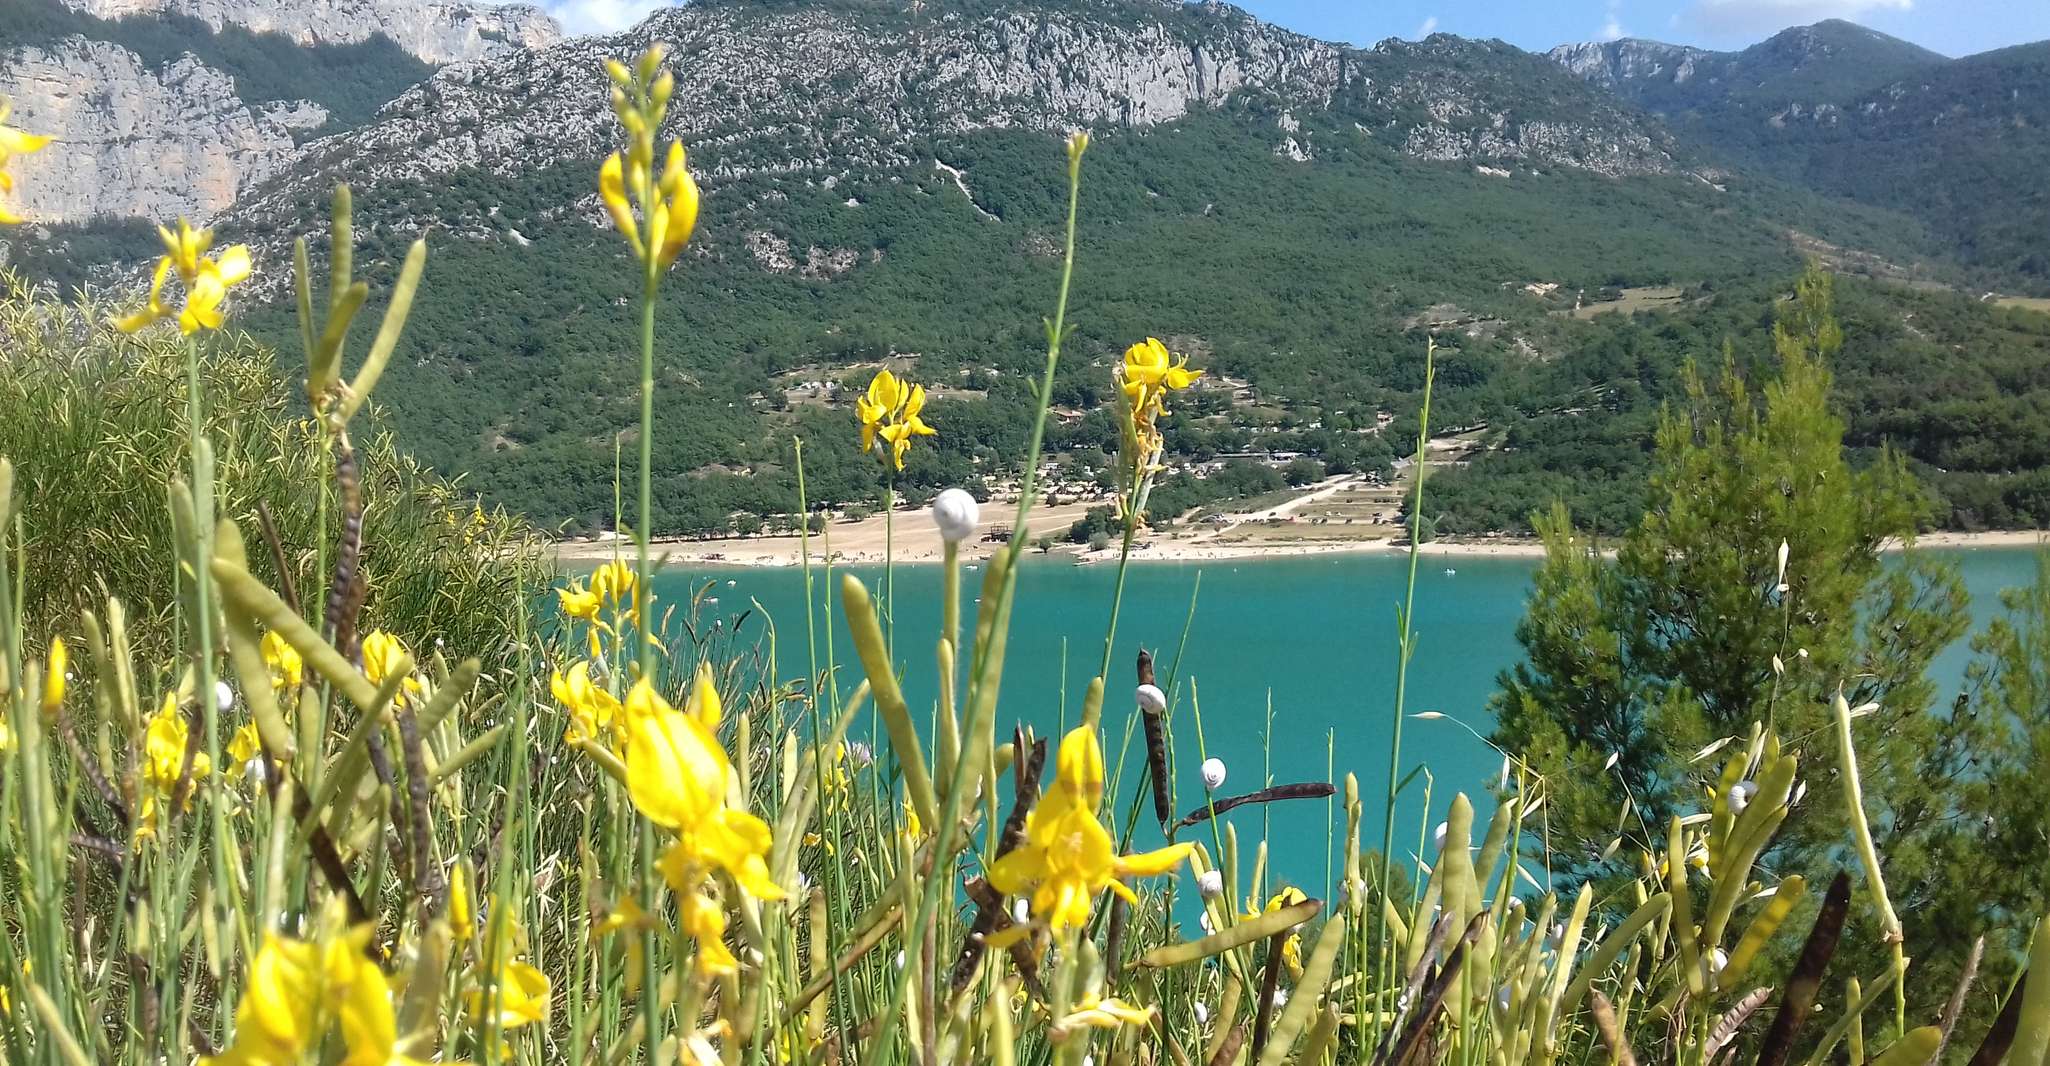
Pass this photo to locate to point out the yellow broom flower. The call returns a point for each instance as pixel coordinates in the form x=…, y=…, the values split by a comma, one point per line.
x=275, y=1022
x=890, y=410
x=1068, y=856
x=164, y=740
x=362, y=1000
x=462, y=912
x=678, y=776
x=578, y=602
x=206, y=280
x=287, y=668
x=668, y=205
x=54, y=677
x=592, y=710
x=522, y=995
x=617, y=585
x=13, y=142
x=383, y=656
x=245, y=745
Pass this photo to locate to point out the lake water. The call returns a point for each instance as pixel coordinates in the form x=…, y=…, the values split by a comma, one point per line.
x=1293, y=661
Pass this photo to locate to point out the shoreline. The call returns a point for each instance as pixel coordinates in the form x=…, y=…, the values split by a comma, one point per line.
x=920, y=546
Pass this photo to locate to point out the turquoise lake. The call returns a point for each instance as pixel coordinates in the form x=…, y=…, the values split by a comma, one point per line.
x=1312, y=638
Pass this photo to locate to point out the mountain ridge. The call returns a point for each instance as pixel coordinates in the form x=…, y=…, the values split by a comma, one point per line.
x=174, y=107
x=1856, y=114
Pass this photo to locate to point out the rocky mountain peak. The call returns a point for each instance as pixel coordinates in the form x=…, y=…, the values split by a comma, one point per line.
x=1629, y=59
x=434, y=31
x=175, y=107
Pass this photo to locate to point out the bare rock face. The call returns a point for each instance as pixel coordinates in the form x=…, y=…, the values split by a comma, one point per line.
x=1610, y=64
x=753, y=80
x=135, y=141
x=436, y=31
x=177, y=139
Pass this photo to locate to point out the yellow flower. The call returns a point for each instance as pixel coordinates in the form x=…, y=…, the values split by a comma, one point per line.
x=383, y=656
x=462, y=913
x=206, y=281
x=875, y=406
x=1148, y=374
x=246, y=745
x=275, y=1023
x=618, y=585
x=592, y=710
x=701, y=916
x=1100, y=1012
x=890, y=410
x=164, y=741
x=522, y=995
x=53, y=676
x=287, y=669
x=1067, y=855
x=678, y=775
x=13, y=142
x=669, y=204
x=1292, y=948
x=578, y=602
x=362, y=1000
x=911, y=830
x=629, y=920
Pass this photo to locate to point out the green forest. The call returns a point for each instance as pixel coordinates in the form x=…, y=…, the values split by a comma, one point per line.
x=517, y=372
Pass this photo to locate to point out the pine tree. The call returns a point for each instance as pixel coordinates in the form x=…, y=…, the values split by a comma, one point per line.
x=1695, y=630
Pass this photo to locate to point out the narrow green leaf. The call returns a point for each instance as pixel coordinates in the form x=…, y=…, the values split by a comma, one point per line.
x=388, y=333
x=882, y=681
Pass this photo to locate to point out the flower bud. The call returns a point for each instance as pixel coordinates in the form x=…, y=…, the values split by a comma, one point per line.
x=224, y=697
x=1078, y=142
x=1151, y=699
x=1740, y=796
x=651, y=61
x=617, y=71
x=665, y=85
x=1213, y=773
x=1210, y=884
x=1438, y=837
x=956, y=514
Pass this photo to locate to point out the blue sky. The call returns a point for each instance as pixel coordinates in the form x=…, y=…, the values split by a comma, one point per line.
x=1953, y=27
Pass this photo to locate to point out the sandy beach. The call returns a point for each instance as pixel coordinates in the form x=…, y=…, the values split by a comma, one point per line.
x=1287, y=529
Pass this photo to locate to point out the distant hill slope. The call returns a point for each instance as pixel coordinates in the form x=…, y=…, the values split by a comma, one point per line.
x=1960, y=144
x=1286, y=208
x=883, y=182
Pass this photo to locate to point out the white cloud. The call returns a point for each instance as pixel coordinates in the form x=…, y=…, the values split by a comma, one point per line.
x=600, y=16
x=1429, y=27
x=1612, y=27
x=1764, y=16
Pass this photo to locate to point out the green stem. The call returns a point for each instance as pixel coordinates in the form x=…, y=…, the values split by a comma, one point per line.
x=836, y=1003
x=203, y=650
x=1405, y=645
x=890, y=568
x=1117, y=596
x=642, y=587
x=943, y=836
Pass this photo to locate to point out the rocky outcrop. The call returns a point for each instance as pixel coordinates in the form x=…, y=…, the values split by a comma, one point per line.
x=135, y=141
x=1609, y=64
x=436, y=31
x=754, y=81
x=168, y=138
